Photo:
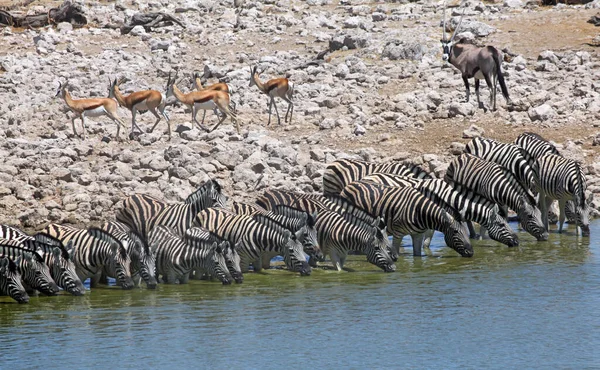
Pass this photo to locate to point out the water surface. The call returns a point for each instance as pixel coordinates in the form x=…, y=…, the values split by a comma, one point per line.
x=535, y=306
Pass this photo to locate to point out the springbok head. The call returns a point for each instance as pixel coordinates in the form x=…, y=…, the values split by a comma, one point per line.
x=62, y=88
x=447, y=45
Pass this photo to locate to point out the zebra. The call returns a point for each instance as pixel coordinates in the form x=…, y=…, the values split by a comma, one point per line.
x=232, y=257
x=520, y=163
x=257, y=239
x=337, y=236
x=95, y=251
x=10, y=280
x=472, y=206
x=143, y=261
x=299, y=222
x=497, y=184
x=536, y=146
x=408, y=212
x=143, y=212
x=177, y=255
x=344, y=171
x=56, y=256
x=562, y=179
x=32, y=267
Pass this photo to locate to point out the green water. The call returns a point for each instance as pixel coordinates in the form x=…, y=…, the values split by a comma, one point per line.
x=535, y=306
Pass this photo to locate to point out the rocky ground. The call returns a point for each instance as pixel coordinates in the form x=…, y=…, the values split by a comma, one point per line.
x=380, y=92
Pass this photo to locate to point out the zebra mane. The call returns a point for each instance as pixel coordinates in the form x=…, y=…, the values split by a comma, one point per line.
x=273, y=225
x=47, y=240
x=350, y=207
x=35, y=254
x=201, y=232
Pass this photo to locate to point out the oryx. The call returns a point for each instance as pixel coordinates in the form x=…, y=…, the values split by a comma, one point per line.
x=475, y=62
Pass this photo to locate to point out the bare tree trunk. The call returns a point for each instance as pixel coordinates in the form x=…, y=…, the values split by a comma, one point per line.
x=67, y=12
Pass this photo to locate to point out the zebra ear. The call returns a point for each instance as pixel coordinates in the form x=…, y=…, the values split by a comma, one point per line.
x=287, y=234
x=496, y=208
x=238, y=246
x=56, y=252
x=378, y=234
x=381, y=224
x=28, y=257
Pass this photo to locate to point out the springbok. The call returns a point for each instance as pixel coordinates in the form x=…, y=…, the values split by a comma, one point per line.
x=475, y=62
x=205, y=100
x=140, y=101
x=94, y=107
x=277, y=87
x=219, y=86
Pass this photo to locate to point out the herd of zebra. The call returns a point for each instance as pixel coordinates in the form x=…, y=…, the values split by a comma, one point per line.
x=361, y=204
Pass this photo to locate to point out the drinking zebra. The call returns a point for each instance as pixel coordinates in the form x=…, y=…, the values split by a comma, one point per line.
x=344, y=171
x=408, y=212
x=10, y=281
x=258, y=240
x=563, y=179
x=143, y=262
x=95, y=251
x=56, y=256
x=497, y=184
x=471, y=207
x=32, y=267
x=143, y=212
x=177, y=255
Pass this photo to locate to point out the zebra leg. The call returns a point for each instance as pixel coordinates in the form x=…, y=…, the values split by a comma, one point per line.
x=472, y=233
x=95, y=279
x=169, y=277
x=257, y=264
x=417, y=241
x=428, y=235
x=266, y=262
x=483, y=231
x=544, y=206
x=184, y=279
x=561, y=219
x=396, y=244
x=336, y=260
x=468, y=89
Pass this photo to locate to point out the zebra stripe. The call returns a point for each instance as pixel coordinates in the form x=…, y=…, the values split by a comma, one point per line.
x=10, y=281
x=535, y=145
x=95, y=251
x=497, y=184
x=247, y=209
x=562, y=179
x=32, y=267
x=142, y=212
x=408, y=212
x=258, y=240
x=232, y=257
x=344, y=171
x=520, y=163
x=472, y=206
x=143, y=262
x=177, y=255
x=337, y=236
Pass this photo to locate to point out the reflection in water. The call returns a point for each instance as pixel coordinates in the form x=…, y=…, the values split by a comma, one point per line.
x=513, y=308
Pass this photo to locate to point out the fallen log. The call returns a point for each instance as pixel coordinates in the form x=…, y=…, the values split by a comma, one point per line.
x=149, y=20
x=67, y=12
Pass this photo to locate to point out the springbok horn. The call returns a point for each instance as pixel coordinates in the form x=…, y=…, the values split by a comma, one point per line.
x=444, y=24
x=458, y=26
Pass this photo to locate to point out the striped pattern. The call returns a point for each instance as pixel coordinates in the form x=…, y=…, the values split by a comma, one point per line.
x=562, y=179
x=344, y=171
x=143, y=263
x=408, y=212
x=32, y=267
x=520, y=163
x=177, y=255
x=535, y=145
x=142, y=212
x=96, y=251
x=258, y=241
x=468, y=205
x=10, y=281
x=499, y=185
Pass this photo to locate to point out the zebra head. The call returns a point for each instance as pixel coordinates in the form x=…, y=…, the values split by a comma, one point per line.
x=307, y=235
x=12, y=280
x=382, y=228
x=580, y=215
x=146, y=261
x=63, y=269
x=456, y=237
x=531, y=219
x=218, y=264
x=118, y=256
x=377, y=251
x=41, y=278
x=232, y=258
x=499, y=230
x=293, y=254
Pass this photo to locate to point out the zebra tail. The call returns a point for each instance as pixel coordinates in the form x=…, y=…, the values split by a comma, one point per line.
x=496, y=57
